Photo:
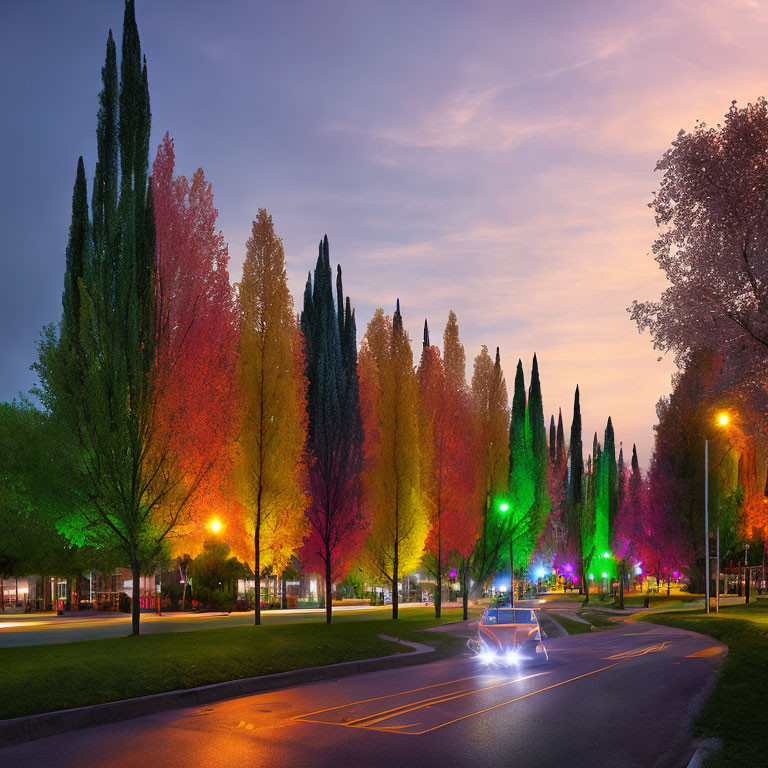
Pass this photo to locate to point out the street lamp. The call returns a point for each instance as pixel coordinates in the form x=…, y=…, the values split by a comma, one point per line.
x=214, y=525
x=723, y=420
x=504, y=509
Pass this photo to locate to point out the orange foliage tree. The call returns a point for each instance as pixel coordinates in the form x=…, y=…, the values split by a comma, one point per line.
x=391, y=479
x=448, y=457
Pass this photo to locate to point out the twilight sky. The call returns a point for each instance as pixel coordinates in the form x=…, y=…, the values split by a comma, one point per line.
x=495, y=158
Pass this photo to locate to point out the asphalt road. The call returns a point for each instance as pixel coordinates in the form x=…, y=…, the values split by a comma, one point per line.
x=622, y=697
x=40, y=629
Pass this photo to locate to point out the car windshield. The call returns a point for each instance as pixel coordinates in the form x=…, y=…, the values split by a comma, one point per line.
x=509, y=616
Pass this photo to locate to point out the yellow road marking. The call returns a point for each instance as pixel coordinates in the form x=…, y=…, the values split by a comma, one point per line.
x=511, y=701
x=387, y=696
x=365, y=722
x=638, y=652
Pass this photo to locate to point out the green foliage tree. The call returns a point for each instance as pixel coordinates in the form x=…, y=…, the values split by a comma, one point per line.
x=98, y=378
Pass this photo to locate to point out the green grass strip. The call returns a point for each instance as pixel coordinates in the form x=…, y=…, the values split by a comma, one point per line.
x=44, y=678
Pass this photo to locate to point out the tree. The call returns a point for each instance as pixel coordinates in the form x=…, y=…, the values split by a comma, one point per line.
x=334, y=437
x=100, y=389
x=491, y=404
x=270, y=472
x=542, y=503
x=676, y=472
x=711, y=209
x=589, y=527
x=195, y=409
x=606, y=503
x=448, y=474
x=399, y=524
x=573, y=506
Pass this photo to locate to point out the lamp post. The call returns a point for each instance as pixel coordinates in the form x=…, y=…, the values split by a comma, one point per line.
x=504, y=509
x=723, y=419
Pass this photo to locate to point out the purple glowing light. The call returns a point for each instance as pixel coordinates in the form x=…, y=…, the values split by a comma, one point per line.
x=675, y=574
x=453, y=573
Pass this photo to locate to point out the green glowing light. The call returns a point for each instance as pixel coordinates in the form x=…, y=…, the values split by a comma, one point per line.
x=504, y=507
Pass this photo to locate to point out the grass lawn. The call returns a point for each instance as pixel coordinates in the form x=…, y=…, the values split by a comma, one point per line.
x=736, y=710
x=571, y=626
x=42, y=678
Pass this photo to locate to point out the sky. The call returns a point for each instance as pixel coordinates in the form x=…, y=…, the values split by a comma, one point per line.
x=494, y=158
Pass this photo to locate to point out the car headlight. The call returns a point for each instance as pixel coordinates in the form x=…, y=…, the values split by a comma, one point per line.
x=487, y=656
x=511, y=657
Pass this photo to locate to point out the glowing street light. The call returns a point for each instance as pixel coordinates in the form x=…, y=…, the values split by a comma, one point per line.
x=722, y=420
x=214, y=525
x=504, y=507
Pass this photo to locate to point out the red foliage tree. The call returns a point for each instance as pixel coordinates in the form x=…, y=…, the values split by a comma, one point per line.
x=197, y=339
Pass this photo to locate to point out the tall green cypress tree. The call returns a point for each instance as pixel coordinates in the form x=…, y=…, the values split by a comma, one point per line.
x=560, y=447
x=606, y=503
x=552, y=440
x=334, y=436
x=621, y=472
x=539, y=463
x=522, y=477
x=78, y=258
x=102, y=396
x=573, y=506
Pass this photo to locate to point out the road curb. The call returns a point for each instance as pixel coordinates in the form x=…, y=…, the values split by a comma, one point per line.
x=22, y=729
x=707, y=748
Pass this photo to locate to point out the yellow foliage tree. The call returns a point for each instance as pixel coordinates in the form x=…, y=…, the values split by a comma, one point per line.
x=269, y=470
x=489, y=391
x=389, y=406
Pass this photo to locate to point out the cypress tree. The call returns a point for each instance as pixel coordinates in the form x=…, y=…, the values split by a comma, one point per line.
x=426, y=335
x=77, y=264
x=609, y=491
x=109, y=319
x=552, y=440
x=621, y=471
x=334, y=433
x=539, y=462
x=560, y=450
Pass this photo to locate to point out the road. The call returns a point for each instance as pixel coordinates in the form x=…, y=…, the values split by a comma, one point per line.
x=40, y=629
x=623, y=697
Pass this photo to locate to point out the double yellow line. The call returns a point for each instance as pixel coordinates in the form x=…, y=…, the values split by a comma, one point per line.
x=371, y=720
x=638, y=652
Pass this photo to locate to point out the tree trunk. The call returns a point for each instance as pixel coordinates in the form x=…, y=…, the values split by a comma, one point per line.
x=439, y=589
x=465, y=592
x=669, y=584
x=395, y=594
x=512, y=575
x=135, y=600
x=583, y=580
x=328, y=589
x=2, y=594
x=621, y=585
x=158, y=585
x=257, y=586
x=184, y=594
x=283, y=593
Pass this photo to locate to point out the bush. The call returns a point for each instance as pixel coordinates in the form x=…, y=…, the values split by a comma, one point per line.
x=124, y=603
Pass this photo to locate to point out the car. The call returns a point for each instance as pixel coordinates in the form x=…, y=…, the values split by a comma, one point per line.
x=509, y=637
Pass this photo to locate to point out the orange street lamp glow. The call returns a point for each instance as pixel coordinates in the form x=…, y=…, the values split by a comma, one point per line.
x=723, y=419
x=215, y=525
